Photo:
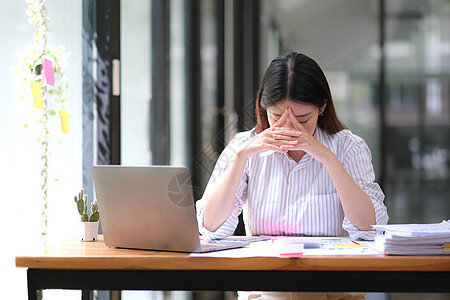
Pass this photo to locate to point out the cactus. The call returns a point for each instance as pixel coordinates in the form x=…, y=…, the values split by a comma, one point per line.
x=95, y=213
x=81, y=200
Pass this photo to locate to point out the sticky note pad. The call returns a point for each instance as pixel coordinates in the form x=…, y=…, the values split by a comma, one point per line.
x=63, y=115
x=49, y=72
x=37, y=94
x=290, y=250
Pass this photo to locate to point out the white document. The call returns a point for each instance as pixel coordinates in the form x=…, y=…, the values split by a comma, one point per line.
x=342, y=246
x=416, y=229
x=293, y=247
x=414, y=239
x=256, y=249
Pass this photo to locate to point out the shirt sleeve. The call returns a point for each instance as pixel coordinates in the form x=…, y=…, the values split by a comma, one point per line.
x=222, y=165
x=358, y=164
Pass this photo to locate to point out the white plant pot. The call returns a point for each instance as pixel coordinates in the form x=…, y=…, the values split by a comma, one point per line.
x=89, y=231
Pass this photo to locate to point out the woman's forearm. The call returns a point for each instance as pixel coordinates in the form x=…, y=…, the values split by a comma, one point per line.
x=357, y=206
x=220, y=202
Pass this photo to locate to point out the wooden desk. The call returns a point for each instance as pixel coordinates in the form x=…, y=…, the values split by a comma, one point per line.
x=93, y=266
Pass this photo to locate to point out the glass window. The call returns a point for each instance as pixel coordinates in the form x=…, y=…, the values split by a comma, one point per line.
x=178, y=117
x=135, y=53
x=209, y=109
x=20, y=149
x=417, y=110
x=341, y=38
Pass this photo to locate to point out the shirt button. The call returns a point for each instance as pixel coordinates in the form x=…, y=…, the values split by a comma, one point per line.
x=293, y=200
x=291, y=229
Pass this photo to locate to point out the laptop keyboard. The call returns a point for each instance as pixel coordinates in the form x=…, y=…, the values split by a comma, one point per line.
x=211, y=245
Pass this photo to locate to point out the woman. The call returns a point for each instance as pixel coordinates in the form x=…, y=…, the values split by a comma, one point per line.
x=299, y=171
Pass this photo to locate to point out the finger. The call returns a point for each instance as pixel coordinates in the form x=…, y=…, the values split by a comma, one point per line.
x=288, y=144
x=287, y=121
x=286, y=148
x=288, y=139
x=276, y=137
x=278, y=141
x=276, y=148
x=281, y=120
x=295, y=122
x=264, y=142
x=286, y=133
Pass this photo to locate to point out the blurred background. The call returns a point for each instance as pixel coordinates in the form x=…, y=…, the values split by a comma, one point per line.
x=171, y=82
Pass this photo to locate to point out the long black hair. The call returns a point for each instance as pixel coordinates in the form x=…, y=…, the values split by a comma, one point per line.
x=299, y=78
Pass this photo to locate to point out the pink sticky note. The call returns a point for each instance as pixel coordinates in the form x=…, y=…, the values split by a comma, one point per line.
x=295, y=254
x=49, y=72
x=289, y=249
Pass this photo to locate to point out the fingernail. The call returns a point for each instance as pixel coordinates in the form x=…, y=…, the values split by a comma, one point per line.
x=298, y=132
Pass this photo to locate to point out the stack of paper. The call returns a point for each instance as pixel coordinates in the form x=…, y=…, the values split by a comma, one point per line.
x=414, y=239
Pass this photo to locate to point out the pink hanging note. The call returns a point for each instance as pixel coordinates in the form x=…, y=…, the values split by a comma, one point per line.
x=49, y=72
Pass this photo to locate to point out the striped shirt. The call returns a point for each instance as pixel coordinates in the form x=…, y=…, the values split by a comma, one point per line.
x=279, y=196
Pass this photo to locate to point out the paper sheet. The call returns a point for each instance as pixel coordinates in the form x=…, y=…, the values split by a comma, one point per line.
x=63, y=115
x=37, y=94
x=330, y=246
x=257, y=249
x=416, y=229
x=414, y=239
x=49, y=72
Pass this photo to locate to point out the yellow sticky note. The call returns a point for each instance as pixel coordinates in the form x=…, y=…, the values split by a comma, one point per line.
x=63, y=115
x=37, y=95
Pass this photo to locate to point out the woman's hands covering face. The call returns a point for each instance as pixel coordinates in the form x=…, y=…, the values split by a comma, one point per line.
x=275, y=138
x=290, y=135
x=286, y=134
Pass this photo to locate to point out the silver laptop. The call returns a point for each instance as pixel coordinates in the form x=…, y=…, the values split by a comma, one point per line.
x=150, y=207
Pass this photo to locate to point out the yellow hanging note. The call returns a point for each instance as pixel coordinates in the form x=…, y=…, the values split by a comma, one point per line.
x=63, y=115
x=37, y=95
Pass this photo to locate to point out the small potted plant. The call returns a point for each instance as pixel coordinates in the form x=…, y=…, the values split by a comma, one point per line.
x=89, y=224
